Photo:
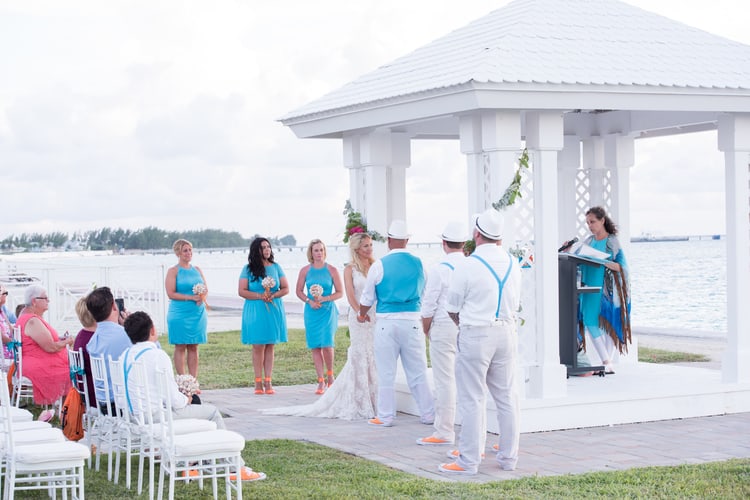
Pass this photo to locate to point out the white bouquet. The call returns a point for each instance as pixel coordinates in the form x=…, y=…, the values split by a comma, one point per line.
x=268, y=283
x=187, y=385
x=201, y=290
x=316, y=291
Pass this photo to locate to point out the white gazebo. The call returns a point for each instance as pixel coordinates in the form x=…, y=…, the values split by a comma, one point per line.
x=576, y=82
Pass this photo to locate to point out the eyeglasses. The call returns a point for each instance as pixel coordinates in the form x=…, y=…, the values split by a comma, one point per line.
x=42, y=298
x=4, y=293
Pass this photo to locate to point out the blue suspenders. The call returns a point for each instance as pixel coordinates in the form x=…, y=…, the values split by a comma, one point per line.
x=448, y=265
x=126, y=370
x=500, y=283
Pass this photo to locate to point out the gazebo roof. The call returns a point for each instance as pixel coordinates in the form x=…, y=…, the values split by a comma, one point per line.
x=588, y=55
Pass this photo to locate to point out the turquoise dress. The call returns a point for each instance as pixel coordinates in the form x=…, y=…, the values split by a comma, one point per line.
x=320, y=324
x=591, y=303
x=187, y=322
x=263, y=322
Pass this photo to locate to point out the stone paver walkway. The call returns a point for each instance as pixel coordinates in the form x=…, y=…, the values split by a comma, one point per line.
x=671, y=442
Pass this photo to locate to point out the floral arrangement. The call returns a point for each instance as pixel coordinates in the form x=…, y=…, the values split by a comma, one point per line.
x=513, y=190
x=187, y=385
x=316, y=291
x=201, y=290
x=268, y=283
x=355, y=224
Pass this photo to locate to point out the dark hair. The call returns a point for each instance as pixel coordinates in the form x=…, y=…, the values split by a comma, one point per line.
x=454, y=245
x=138, y=326
x=255, y=259
x=600, y=214
x=99, y=303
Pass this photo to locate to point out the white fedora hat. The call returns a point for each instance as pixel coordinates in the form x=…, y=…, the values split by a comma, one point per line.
x=454, y=232
x=397, y=230
x=490, y=224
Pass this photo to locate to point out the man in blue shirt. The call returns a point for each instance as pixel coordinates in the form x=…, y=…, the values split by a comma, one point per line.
x=109, y=338
x=396, y=281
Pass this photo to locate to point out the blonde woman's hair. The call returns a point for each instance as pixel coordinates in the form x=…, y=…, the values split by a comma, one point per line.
x=177, y=245
x=355, y=241
x=84, y=315
x=309, y=249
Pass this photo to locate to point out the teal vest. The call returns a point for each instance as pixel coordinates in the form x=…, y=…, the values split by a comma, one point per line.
x=402, y=284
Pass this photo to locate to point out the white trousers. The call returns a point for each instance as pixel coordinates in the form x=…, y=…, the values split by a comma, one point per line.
x=402, y=338
x=488, y=354
x=202, y=412
x=443, y=358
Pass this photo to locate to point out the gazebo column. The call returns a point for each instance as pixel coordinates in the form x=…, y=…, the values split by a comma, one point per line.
x=593, y=164
x=384, y=156
x=492, y=141
x=544, y=135
x=470, y=134
x=619, y=157
x=568, y=163
x=734, y=142
x=357, y=178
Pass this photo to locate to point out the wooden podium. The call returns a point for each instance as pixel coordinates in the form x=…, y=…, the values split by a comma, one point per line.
x=569, y=291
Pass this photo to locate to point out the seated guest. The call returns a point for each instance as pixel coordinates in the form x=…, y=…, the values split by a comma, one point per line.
x=6, y=330
x=109, y=338
x=140, y=328
x=83, y=337
x=45, y=360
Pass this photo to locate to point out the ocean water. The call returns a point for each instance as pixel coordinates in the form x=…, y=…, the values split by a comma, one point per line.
x=675, y=285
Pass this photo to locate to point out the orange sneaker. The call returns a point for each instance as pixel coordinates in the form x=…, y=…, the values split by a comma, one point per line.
x=433, y=440
x=454, y=468
x=455, y=454
x=379, y=423
x=190, y=473
x=248, y=474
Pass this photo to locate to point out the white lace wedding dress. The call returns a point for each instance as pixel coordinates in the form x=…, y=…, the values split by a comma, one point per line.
x=353, y=395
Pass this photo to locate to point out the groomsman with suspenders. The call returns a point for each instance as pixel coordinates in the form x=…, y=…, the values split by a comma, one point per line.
x=483, y=300
x=396, y=281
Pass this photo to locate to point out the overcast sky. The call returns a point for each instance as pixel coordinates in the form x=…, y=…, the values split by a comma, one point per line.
x=163, y=113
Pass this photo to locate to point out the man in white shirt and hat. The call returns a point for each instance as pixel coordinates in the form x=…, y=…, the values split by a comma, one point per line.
x=396, y=281
x=483, y=300
x=442, y=332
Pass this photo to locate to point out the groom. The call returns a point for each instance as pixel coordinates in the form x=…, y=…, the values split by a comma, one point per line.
x=396, y=282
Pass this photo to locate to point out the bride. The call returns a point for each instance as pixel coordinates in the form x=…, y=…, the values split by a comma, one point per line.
x=354, y=394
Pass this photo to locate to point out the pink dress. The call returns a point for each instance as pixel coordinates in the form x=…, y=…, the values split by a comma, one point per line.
x=48, y=371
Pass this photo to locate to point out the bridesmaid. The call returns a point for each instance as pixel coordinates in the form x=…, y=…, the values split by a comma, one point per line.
x=187, y=321
x=262, y=284
x=321, y=316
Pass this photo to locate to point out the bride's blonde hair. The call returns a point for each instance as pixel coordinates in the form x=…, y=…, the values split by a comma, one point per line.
x=355, y=241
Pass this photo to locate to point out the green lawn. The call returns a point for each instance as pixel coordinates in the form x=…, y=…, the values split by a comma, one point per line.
x=305, y=470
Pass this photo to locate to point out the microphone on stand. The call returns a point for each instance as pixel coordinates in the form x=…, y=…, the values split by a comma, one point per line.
x=567, y=244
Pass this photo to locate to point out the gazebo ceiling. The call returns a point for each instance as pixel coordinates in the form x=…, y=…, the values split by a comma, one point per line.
x=608, y=66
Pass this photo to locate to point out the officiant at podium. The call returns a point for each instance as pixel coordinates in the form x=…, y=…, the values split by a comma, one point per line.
x=606, y=314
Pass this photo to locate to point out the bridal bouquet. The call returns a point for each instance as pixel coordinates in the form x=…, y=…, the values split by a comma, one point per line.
x=268, y=283
x=187, y=385
x=201, y=290
x=316, y=291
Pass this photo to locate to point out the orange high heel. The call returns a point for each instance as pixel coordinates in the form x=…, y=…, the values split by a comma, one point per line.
x=269, y=389
x=321, y=386
x=258, y=385
x=330, y=378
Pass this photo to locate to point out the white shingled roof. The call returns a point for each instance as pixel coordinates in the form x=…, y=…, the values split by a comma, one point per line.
x=559, y=43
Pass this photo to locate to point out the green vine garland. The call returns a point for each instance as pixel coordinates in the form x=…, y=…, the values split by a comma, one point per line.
x=513, y=190
x=355, y=223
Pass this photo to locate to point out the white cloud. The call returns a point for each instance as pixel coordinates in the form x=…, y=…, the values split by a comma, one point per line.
x=129, y=114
